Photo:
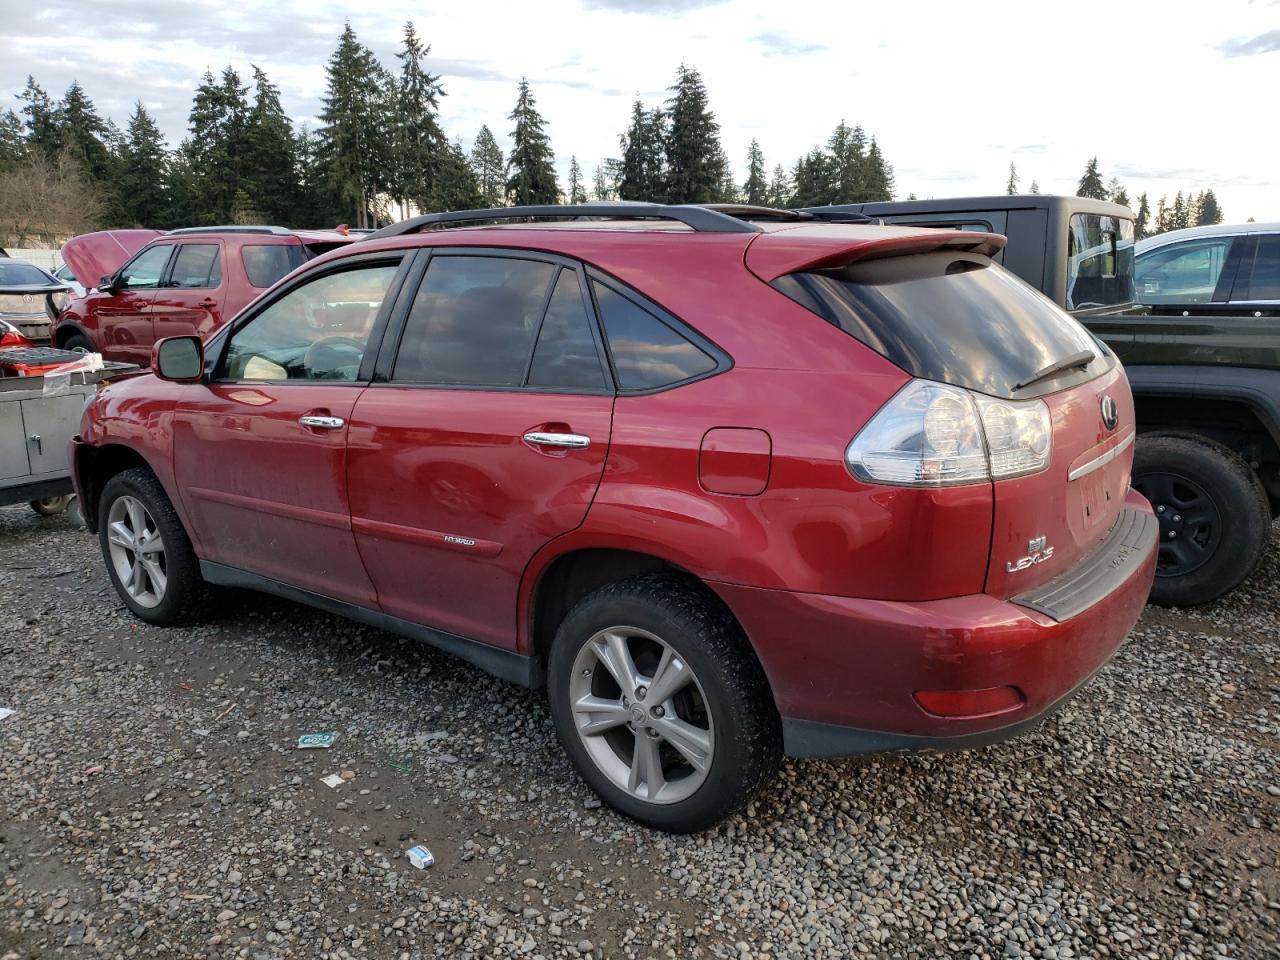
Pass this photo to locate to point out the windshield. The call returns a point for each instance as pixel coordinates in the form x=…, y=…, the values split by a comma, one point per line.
x=22, y=275
x=1100, y=261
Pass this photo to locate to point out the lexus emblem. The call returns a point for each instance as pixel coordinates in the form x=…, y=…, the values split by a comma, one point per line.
x=1110, y=412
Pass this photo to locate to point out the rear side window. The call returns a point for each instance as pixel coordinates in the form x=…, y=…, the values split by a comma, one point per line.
x=1263, y=281
x=647, y=353
x=474, y=321
x=565, y=355
x=264, y=264
x=947, y=317
x=196, y=265
x=1182, y=272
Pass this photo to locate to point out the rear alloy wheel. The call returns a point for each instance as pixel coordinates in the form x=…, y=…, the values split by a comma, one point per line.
x=51, y=506
x=147, y=552
x=1214, y=516
x=661, y=704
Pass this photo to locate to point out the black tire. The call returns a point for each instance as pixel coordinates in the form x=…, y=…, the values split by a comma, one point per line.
x=80, y=343
x=186, y=595
x=51, y=506
x=1216, y=508
x=748, y=745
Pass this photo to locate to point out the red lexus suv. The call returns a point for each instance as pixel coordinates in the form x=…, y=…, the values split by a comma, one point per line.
x=728, y=482
x=143, y=285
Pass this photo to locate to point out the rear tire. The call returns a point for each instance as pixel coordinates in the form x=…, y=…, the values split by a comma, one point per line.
x=51, y=506
x=1215, y=519
x=148, y=555
x=80, y=344
x=694, y=734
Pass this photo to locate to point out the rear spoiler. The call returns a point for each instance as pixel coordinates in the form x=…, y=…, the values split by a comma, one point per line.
x=776, y=255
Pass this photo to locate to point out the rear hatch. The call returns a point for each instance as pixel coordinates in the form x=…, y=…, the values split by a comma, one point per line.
x=946, y=314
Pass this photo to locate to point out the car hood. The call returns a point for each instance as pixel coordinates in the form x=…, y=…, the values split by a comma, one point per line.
x=92, y=256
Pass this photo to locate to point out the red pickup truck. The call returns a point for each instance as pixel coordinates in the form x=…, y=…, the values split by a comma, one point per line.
x=188, y=281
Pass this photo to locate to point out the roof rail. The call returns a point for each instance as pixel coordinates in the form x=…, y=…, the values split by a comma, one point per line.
x=701, y=219
x=232, y=228
x=746, y=211
x=834, y=215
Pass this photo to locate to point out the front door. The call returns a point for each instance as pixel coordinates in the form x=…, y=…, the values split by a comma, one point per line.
x=189, y=302
x=260, y=452
x=124, y=315
x=488, y=441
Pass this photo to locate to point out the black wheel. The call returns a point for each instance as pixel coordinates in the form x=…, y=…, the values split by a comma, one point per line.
x=661, y=704
x=147, y=552
x=1215, y=520
x=51, y=506
x=79, y=343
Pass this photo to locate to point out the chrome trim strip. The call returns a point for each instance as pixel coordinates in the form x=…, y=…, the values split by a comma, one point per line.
x=1101, y=461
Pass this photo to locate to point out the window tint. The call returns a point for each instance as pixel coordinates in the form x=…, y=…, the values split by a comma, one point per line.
x=143, y=271
x=21, y=274
x=196, y=265
x=566, y=352
x=1263, y=282
x=1183, y=272
x=265, y=264
x=317, y=331
x=473, y=321
x=646, y=352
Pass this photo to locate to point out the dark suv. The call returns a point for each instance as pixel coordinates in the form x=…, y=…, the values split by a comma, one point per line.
x=727, y=485
x=187, y=281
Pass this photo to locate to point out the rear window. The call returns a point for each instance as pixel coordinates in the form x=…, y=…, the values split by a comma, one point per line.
x=1263, y=281
x=952, y=318
x=1100, y=264
x=21, y=275
x=266, y=263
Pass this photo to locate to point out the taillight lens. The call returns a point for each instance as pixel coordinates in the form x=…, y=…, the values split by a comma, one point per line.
x=935, y=435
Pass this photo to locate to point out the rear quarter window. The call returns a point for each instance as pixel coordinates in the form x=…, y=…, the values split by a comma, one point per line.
x=264, y=264
x=648, y=353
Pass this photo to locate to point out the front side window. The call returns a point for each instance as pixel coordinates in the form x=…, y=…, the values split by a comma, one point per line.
x=1182, y=272
x=264, y=264
x=1263, y=281
x=196, y=265
x=316, y=331
x=474, y=321
x=143, y=271
x=647, y=353
x=1100, y=261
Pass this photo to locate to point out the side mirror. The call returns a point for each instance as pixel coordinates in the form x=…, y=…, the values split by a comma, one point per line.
x=180, y=359
x=107, y=284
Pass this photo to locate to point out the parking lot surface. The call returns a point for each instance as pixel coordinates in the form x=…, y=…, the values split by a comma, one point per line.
x=1142, y=820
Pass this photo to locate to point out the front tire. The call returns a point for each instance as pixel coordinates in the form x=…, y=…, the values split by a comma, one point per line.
x=1215, y=519
x=147, y=552
x=660, y=703
x=79, y=343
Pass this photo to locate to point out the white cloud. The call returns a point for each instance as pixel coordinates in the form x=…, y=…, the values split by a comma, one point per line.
x=952, y=92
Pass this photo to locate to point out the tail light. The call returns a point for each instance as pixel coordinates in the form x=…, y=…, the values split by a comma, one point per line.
x=935, y=435
x=11, y=336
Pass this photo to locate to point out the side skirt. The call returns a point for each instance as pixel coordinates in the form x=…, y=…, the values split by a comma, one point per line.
x=504, y=664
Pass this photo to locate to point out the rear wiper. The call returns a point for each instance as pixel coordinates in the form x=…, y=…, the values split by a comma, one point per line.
x=1081, y=359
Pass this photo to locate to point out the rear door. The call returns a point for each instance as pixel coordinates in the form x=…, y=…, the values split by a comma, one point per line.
x=189, y=300
x=486, y=439
x=124, y=316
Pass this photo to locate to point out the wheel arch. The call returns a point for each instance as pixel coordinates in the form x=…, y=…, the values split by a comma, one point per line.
x=94, y=468
x=66, y=329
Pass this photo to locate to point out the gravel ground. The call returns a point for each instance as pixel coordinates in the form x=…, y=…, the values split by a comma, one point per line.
x=1143, y=820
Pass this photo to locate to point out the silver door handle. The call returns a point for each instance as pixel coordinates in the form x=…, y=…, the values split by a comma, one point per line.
x=324, y=423
x=574, y=441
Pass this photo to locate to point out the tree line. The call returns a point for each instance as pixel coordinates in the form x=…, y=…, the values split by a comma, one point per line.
x=378, y=152
x=1189, y=210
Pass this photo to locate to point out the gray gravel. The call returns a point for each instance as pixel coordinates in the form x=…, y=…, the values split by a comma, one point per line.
x=1143, y=820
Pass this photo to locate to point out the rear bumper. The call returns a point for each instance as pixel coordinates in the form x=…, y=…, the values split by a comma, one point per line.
x=844, y=671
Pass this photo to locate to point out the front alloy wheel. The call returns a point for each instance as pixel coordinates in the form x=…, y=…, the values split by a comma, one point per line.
x=137, y=551
x=642, y=715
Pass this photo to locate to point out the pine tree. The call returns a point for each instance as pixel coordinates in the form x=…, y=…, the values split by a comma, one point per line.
x=576, y=192
x=695, y=161
x=269, y=156
x=82, y=131
x=606, y=179
x=1116, y=192
x=847, y=164
x=779, y=193
x=643, y=171
x=755, y=191
x=354, y=144
x=316, y=207
x=143, y=195
x=1034, y=189
x=879, y=178
x=1142, y=223
x=1208, y=211
x=1181, y=214
x=1011, y=188
x=1162, y=221
x=727, y=191
x=531, y=165
x=40, y=120
x=418, y=144
x=13, y=148
x=1091, y=183
x=489, y=167
x=215, y=148
x=811, y=180
x=457, y=187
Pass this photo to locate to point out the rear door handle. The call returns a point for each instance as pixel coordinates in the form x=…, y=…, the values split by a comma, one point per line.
x=574, y=441
x=207, y=302
x=322, y=423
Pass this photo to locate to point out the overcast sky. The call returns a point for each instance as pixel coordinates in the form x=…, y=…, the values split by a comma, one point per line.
x=1168, y=95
